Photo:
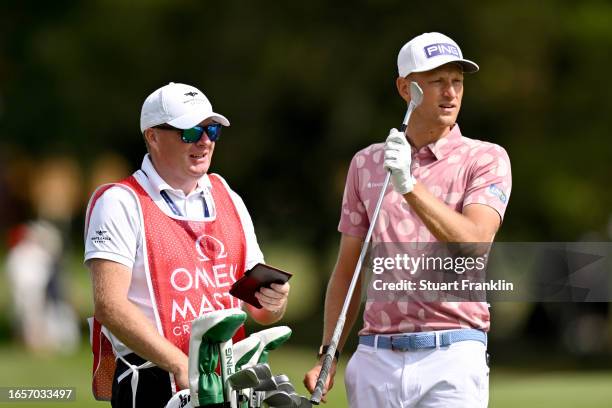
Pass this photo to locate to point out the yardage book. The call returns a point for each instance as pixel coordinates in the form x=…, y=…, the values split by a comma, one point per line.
x=260, y=275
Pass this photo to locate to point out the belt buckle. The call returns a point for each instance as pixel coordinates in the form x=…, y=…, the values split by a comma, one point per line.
x=396, y=348
x=391, y=342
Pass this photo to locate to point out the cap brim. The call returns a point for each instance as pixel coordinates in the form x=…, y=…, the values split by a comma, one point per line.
x=469, y=67
x=194, y=118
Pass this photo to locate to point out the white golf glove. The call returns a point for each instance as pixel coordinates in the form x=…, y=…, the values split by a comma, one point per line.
x=398, y=157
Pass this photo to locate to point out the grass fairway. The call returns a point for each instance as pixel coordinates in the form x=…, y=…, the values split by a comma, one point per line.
x=508, y=389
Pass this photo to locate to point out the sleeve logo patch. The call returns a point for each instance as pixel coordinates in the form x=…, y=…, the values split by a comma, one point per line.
x=497, y=192
x=101, y=237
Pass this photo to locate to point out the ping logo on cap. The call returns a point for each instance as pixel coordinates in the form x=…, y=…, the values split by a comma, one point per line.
x=435, y=50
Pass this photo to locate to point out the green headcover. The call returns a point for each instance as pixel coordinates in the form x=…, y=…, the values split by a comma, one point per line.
x=244, y=351
x=207, y=332
x=271, y=339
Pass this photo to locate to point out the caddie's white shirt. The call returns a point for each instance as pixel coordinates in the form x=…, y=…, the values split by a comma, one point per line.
x=116, y=214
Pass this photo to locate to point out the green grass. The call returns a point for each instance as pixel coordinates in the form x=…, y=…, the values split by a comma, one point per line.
x=508, y=388
x=567, y=389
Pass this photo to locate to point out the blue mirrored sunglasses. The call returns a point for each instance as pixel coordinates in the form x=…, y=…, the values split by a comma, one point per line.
x=194, y=134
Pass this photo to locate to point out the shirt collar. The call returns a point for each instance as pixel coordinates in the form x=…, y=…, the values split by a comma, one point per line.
x=160, y=185
x=442, y=147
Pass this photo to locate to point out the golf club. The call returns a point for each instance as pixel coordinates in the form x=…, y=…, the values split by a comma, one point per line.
x=416, y=97
x=270, y=339
x=271, y=384
x=302, y=402
x=249, y=377
x=243, y=351
x=286, y=387
x=279, y=399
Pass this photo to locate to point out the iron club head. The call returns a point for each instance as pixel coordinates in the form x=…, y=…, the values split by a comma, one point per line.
x=279, y=399
x=250, y=377
x=416, y=94
x=416, y=97
x=271, y=384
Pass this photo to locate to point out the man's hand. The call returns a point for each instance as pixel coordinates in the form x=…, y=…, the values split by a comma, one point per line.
x=181, y=375
x=398, y=157
x=274, y=298
x=310, y=379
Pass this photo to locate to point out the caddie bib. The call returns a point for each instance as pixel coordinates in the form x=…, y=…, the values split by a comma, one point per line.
x=190, y=267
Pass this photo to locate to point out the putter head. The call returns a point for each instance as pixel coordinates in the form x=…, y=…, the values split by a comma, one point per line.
x=416, y=94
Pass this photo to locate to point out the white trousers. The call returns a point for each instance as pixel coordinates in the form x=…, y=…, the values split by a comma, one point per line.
x=456, y=376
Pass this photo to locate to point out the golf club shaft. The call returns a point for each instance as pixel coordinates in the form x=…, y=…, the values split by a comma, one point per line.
x=317, y=394
x=329, y=356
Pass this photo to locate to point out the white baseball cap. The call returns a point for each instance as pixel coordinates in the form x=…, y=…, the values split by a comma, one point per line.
x=179, y=105
x=428, y=51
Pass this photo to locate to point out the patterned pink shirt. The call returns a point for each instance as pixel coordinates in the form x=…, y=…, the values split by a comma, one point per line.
x=459, y=171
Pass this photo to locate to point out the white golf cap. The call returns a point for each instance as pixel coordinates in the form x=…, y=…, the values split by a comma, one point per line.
x=428, y=51
x=179, y=105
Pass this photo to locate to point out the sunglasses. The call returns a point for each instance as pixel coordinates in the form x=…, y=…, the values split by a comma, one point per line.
x=193, y=135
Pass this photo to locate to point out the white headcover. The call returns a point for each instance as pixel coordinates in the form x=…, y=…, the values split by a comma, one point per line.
x=245, y=346
x=198, y=328
x=267, y=336
x=181, y=399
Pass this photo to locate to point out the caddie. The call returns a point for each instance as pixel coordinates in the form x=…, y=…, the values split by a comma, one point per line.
x=164, y=246
x=447, y=188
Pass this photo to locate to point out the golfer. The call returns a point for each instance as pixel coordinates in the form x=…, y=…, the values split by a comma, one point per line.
x=163, y=247
x=446, y=188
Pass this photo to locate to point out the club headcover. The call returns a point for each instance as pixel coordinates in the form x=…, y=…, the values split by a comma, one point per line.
x=271, y=339
x=244, y=350
x=207, y=333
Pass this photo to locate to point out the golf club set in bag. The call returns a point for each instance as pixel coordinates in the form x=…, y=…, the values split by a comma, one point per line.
x=246, y=380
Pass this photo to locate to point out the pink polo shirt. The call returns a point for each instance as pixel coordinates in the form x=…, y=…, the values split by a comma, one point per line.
x=459, y=171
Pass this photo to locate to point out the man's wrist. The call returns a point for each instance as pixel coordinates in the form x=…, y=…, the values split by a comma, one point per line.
x=323, y=350
x=407, y=185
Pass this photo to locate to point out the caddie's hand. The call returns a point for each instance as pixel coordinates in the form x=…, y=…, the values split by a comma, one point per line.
x=274, y=298
x=310, y=379
x=398, y=157
x=181, y=375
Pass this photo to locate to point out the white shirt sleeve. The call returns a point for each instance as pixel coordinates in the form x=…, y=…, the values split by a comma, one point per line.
x=114, y=230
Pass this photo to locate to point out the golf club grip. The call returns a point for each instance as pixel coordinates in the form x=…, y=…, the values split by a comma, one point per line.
x=318, y=391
